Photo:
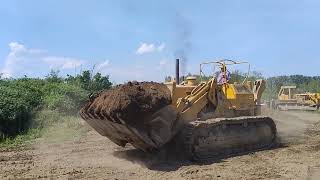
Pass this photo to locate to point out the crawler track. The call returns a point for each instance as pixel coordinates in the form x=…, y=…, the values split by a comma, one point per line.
x=222, y=137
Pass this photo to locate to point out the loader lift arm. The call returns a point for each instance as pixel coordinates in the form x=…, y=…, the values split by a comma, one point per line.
x=191, y=105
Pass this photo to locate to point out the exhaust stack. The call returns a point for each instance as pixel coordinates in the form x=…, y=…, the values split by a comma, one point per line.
x=177, y=72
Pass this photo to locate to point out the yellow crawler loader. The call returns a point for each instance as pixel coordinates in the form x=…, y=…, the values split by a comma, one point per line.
x=209, y=119
x=289, y=99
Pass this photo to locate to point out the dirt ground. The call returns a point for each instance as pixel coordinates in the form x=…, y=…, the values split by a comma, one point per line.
x=92, y=156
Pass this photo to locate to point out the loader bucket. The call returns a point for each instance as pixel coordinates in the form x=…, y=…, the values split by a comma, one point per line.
x=157, y=132
x=139, y=114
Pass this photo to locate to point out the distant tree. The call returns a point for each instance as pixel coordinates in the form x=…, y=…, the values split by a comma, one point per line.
x=237, y=76
x=53, y=76
x=100, y=82
x=70, y=79
x=168, y=79
x=312, y=86
x=89, y=82
x=85, y=79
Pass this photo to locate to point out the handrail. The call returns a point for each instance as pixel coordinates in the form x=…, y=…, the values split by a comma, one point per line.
x=225, y=62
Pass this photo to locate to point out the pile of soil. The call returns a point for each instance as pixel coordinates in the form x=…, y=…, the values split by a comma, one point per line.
x=133, y=102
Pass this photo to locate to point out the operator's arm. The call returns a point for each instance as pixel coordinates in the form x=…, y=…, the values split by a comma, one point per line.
x=220, y=78
x=228, y=76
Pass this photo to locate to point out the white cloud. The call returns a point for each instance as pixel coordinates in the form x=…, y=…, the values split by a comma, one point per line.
x=161, y=47
x=63, y=62
x=146, y=48
x=13, y=58
x=163, y=62
x=149, y=48
x=16, y=48
x=22, y=60
x=103, y=65
x=6, y=72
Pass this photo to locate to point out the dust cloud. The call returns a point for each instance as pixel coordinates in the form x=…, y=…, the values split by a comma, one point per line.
x=291, y=125
x=168, y=158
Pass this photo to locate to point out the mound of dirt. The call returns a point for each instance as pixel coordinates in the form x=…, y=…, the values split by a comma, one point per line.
x=133, y=102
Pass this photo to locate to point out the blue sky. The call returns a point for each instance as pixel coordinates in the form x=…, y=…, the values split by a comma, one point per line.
x=140, y=39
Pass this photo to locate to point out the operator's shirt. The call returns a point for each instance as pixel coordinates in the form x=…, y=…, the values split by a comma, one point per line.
x=221, y=77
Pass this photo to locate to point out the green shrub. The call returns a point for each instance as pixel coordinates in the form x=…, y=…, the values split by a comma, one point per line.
x=37, y=103
x=18, y=100
x=64, y=97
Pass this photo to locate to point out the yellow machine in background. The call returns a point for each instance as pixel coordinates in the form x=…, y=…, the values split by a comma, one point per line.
x=289, y=99
x=315, y=97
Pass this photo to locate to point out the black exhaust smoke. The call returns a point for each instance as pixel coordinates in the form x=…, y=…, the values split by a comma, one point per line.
x=177, y=72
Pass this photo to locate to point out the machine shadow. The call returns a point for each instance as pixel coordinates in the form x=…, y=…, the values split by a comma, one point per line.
x=157, y=161
x=165, y=161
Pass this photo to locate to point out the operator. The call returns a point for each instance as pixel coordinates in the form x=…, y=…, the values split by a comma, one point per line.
x=223, y=76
